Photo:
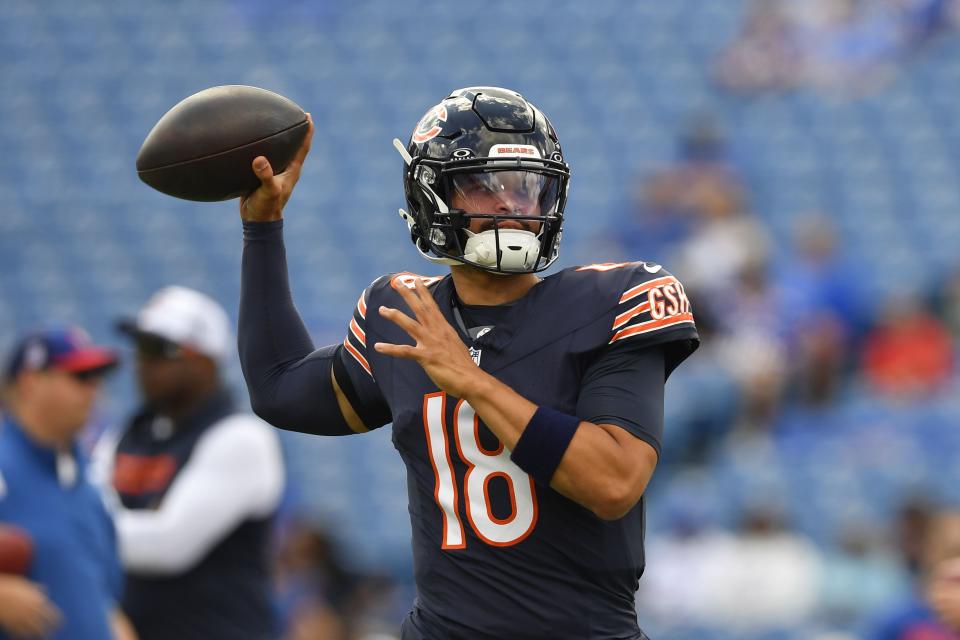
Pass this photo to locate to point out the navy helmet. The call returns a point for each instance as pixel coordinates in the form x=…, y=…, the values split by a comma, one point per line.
x=487, y=156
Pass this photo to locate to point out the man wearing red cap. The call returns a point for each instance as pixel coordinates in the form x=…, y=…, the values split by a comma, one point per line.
x=71, y=576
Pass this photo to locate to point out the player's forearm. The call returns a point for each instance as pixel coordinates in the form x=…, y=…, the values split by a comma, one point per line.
x=289, y=383
x=595, y=471
x=270, y=331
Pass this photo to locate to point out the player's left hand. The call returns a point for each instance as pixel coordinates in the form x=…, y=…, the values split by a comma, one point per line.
x=439, y=350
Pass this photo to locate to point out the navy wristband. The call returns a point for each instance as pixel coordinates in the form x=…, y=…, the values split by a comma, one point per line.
x=543, y=442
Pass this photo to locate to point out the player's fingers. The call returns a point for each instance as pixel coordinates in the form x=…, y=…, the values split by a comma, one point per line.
x=264, y=172
x=44, y=622
x=424, y=295
x=413, y=301
x=404, y=351
x=297, y=162
x=52, y=615
x=401, y=319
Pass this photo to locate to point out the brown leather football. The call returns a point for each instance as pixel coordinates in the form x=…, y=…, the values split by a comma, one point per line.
x=203, y=147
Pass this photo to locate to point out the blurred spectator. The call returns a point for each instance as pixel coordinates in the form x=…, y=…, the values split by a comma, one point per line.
x=910, y=528
x=725, y=243
x=949, y=303
x=933, y=612
x=685, y=566
x=816, y=278
x=838, y=45
x=308, y=580
x=823, y=310
x=697, y=428
x=820, y=354
x=924, y=19
x=197, y=483
x=770, y=577
x=761, y=579
x=670, y=204
x=847, y=44
x=753, y=346
x=766, y=54
x=318, y=596
x=860, y=575
x=911, y=351
x=71, y=578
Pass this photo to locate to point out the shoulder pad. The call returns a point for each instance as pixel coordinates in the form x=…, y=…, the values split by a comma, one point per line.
x=383, y=290
x=643, y=297
x=652, y=300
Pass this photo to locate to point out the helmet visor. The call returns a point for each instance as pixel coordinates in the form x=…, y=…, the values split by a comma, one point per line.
x=525, y=193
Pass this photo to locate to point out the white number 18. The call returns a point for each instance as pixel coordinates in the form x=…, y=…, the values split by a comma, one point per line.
x=482, y=466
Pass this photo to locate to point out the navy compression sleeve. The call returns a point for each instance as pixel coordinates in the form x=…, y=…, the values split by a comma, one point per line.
x=289, y=382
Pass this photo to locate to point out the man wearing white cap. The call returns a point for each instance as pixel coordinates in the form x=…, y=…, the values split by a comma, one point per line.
x=197, y=483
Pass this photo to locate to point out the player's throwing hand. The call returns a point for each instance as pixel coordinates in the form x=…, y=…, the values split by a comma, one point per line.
x=266, y=203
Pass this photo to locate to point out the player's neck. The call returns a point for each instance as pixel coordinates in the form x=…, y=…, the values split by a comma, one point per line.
x=475, y=286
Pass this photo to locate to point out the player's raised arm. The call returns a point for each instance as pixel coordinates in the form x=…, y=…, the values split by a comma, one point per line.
x=291, y=385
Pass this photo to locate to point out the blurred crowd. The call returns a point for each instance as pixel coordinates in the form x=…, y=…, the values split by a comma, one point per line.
x=835, y=45
x=786, y=331
x=793, y=326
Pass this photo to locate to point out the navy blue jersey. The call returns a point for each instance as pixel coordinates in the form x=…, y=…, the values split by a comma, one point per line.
x=497, y=555
x=192, y=604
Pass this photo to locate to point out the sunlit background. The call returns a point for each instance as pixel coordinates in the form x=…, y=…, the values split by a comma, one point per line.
x=796, y=163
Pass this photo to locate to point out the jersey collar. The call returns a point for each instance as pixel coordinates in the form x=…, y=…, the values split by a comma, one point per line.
x=547, y=313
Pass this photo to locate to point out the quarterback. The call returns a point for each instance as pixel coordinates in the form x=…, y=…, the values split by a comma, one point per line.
x=528, y=410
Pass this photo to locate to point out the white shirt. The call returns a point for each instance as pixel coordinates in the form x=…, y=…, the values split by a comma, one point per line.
x=235, y=473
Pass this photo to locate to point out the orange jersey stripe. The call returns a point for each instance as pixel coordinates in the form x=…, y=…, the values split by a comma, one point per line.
x=651, y=325
x=357, y=356
x=362, y=307
x=625, y=317
x=358, y=332
x=646, y=286
x=604, y=266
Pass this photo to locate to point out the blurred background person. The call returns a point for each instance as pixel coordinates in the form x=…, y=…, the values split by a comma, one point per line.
x=933, y=609
x=72, y=580
x=197, y=482
x=910, y=351
x=768, y=578
x=319, y=596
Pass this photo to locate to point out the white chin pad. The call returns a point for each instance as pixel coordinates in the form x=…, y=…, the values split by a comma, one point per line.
x=519, y=249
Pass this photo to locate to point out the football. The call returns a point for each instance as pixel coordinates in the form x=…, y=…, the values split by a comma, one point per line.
x=203, y=147
x=16, y=549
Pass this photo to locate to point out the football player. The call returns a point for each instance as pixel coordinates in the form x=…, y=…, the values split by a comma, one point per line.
x=528, y=410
